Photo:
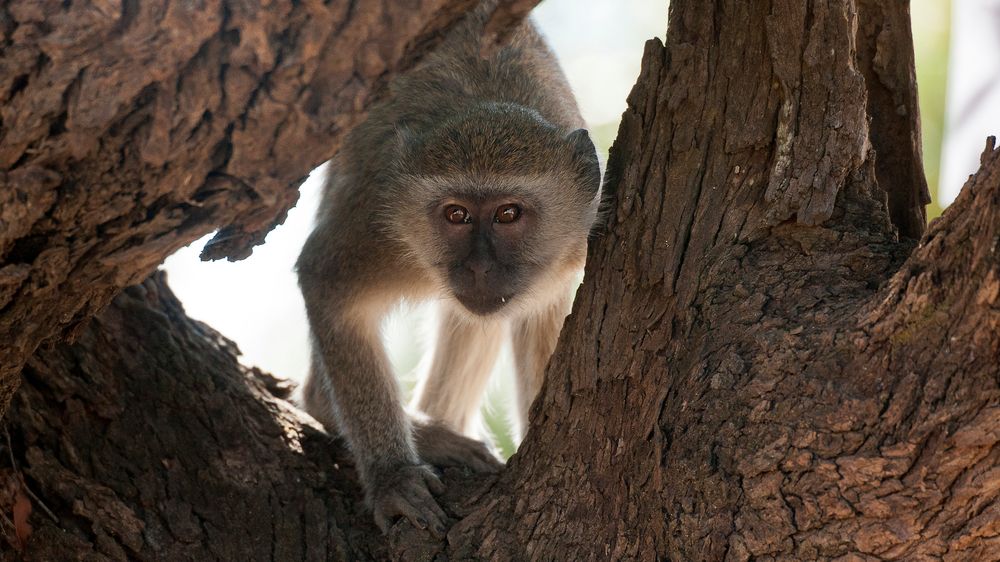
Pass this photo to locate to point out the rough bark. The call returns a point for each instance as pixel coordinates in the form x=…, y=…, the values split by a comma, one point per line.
x=130, y=129
x=147, y=440
x=763, y=362
x=758, y=367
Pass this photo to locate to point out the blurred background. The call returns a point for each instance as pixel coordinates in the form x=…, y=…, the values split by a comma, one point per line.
x=257, y=304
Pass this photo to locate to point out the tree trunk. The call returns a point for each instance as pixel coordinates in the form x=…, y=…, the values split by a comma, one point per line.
x=758, y=366
x=763, y=362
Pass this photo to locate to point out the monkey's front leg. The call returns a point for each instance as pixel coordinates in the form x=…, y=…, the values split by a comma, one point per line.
x=452, y=390
x=351, y=383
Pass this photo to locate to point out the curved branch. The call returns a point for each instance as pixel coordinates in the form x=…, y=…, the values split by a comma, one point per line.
x=147, y=439
x=953, y=276
x=130, y=129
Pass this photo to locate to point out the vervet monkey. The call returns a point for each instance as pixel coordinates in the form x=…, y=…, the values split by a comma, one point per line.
x=473, y=184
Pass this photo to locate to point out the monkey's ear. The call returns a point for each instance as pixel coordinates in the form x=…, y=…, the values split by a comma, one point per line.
x=585, y=157
x=407, y=144
x=404, y=134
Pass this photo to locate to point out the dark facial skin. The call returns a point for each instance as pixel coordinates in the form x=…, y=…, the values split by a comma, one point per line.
x=483, y=237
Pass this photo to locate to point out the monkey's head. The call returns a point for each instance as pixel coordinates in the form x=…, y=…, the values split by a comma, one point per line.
x=503, y=203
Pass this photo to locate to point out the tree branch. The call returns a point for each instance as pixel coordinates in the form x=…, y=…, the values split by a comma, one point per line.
x=147, y=439
x=953, y=276
x=131, y=129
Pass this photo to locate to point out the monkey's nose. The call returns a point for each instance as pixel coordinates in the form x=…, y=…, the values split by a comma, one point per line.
x=479, y=268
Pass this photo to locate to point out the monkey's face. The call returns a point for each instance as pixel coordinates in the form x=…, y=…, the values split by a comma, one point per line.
x=483, y=242
x=507, y=204
x=501, y=244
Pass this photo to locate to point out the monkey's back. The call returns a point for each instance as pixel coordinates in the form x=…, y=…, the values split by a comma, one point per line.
x=451, y=80
x=524, y=72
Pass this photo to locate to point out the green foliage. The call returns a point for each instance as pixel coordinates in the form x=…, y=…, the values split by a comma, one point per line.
x=931, y=33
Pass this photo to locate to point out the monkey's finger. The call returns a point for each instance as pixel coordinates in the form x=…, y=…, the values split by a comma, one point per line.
x=405, y=505
x=433, y=513
x=421, y=510
x=478, y=459
x=433, y=482
x=382, y=521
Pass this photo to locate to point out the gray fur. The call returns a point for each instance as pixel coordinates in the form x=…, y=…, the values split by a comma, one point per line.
x=479, y=132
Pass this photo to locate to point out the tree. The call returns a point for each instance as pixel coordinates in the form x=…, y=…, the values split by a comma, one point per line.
x=768, y=359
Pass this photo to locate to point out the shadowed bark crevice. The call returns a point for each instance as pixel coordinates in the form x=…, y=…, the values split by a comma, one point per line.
x=885, y=57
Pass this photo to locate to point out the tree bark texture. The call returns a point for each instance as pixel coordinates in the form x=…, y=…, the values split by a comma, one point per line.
x=147, y=440
x=760, y=364
x=129, y=129
x=769, y=359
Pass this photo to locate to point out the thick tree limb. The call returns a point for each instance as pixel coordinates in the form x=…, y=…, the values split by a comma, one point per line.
x=147, y=440
x=129, y=129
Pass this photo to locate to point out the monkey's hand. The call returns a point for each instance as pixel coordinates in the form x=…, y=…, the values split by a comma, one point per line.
x=441, y=447
x=406, y=491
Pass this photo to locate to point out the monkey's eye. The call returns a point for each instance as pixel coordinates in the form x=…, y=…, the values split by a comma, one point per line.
x=456, y=214
x=507, y=214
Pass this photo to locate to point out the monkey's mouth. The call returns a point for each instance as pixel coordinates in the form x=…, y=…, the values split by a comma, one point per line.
x=483, y=304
